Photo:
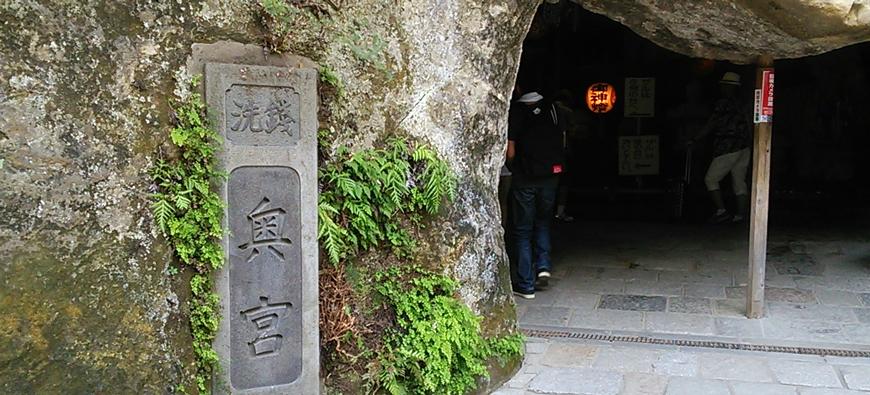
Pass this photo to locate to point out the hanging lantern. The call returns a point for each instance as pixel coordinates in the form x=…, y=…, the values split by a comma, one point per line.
x=600, y=97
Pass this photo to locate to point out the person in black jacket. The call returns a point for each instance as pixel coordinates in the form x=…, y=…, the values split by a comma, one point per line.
x=535, y=155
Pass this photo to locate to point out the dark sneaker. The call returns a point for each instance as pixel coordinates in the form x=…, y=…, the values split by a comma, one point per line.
x=543, y=279
x=524, y=294
x=720, y=218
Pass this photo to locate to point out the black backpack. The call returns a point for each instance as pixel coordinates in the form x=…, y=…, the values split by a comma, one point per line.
x=541, y=146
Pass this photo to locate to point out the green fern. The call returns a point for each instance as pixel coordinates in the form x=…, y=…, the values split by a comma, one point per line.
x=437, y=347
x=189, y=213
x=368, y=195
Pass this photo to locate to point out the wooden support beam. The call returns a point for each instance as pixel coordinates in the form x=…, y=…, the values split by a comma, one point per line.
x=759, y=205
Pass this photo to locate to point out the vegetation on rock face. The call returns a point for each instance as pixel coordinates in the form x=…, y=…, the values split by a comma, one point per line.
x=436, y=347
x=386, y=324
x=189, y=213
x=366, y=198
x=431, y=343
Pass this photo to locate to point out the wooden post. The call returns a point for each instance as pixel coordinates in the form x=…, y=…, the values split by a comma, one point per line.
x=759, y=204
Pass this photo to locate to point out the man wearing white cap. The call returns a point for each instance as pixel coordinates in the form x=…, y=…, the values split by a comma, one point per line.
x=731, y=127
x=535, y=155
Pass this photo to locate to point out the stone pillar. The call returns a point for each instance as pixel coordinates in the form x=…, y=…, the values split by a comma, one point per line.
x=268, y=338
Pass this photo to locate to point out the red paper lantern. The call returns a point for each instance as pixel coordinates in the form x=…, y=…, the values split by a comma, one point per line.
x=600, y=97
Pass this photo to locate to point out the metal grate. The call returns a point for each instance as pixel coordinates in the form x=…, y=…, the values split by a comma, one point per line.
x=824, y=352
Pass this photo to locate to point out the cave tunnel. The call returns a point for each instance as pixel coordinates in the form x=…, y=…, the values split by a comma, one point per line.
x=641, y=255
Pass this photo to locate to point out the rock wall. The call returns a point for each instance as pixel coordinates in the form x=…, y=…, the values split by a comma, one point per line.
x=87, y=303
x=741, y=30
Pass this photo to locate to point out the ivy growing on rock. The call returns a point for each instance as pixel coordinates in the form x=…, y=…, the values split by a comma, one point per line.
x=189, y=213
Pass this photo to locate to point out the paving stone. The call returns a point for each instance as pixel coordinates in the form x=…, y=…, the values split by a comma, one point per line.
x=790, y=263
x=811, y=312
x=692, y=324
x=576, y=381
x=666, y=263
x=828, y=391
x=574, y=299
x=536, y=347
x=809, y=331
x=632, y=302
x=723, y=366
x=630, y=274
x=863, y=315
x=616, y=320
x=839, y=361
x=743, y=328
x=656, y=288
x=644, y=384
x=570, y=355
x=735, y=292
x=600, y=286
x=676, y=363
x=521, y=380
x=857, y=334
x=544, y=315
x=705, y=291
x=790, y=295
x=626, y=359
x=716, y=278
x=730, y=307
x=865, y=298
x=694, y=386
x=690, y=305
x=808, y=374
x=856, y=377
x=773, y=280
x=838, y=298
x=509, y=391
x=762, y=389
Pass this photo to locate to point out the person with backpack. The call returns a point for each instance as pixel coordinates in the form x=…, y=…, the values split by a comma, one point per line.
x=536, y=156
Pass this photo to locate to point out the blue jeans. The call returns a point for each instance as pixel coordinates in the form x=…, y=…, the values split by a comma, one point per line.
x=533, y=212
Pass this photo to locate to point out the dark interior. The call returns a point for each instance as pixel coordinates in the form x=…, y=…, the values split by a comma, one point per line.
x=821, y=131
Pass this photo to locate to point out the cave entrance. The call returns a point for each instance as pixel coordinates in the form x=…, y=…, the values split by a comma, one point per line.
x=639, y=256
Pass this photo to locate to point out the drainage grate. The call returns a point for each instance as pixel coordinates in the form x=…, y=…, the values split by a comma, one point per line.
x=824, y=352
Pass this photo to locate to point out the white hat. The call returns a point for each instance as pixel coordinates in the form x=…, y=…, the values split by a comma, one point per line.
x=531, y=97
x=730, y=78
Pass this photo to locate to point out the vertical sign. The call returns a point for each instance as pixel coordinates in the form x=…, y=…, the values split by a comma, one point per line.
x=640, y=97
x=756, y=112
x=767, y=93
x=268, y=338
x=638, y=155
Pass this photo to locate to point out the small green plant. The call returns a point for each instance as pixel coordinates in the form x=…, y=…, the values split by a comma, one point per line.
x=367, y=46
x=282, y=17
x=189, y=213
x=367, y=198
x=437, y=347
x=330, y=77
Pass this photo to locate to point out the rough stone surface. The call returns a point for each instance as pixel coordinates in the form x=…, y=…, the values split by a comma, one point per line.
x=740, y=30
x=808, y=374
x=632, y=303
x=576, y=381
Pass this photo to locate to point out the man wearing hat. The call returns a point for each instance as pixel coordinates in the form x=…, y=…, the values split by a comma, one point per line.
x=731, y=126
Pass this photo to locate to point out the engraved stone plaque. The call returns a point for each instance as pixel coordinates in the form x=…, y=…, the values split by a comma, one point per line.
x=268, y=339
x=260, y=115
x=265, y=266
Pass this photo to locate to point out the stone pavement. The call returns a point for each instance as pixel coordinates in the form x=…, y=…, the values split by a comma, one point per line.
x=689, y=281
x=596, y=368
